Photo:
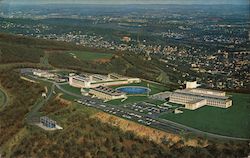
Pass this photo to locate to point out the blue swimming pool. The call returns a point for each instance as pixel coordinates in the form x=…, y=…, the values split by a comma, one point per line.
x=134, y=89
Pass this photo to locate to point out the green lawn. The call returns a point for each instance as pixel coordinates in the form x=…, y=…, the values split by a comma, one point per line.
x=68, y=112
x=69, y=97
x=71, y=89
x=89, y=56
x=131, y=99
x=234, y=121
x=156, y=102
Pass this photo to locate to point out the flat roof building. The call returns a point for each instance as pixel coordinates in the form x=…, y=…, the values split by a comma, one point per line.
x=194, y=98
x=43, y=73
x=96, y=80
x=195, y=104
x=47, y=122
x=106, y=93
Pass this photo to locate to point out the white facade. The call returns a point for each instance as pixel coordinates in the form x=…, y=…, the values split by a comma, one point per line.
x=106, y=93
x=191, y=85
x=43, y=73
x=79, y=81
x=211, y=92
x=95, y=80
x=196, y=104
x=193, y=100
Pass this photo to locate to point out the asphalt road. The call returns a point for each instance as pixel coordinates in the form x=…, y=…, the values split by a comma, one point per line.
x=122, y=112
x=161, y=124
x=38, y=105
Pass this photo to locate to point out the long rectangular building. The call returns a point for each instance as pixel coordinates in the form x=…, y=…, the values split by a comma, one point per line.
x=96, y=80
x=198, y=97
x=43, y=73
x=106, y=93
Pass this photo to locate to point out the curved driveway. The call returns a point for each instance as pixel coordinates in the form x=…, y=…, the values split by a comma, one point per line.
x=166, y=124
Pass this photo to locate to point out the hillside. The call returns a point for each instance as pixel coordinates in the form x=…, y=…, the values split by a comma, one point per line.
x=84, y=135
x=25, y=49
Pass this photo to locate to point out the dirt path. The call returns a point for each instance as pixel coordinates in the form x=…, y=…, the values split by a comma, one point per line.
x=3, y=98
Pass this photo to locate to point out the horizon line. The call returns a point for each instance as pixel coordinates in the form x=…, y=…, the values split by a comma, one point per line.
x=37, y=3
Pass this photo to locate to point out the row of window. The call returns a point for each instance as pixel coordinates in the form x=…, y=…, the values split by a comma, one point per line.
x=186, y=99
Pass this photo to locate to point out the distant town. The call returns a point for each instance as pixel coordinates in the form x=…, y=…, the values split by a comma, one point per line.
x=198, y=48
x=124, y=80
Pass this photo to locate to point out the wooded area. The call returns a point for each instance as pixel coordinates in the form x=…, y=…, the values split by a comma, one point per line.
x=82, y=136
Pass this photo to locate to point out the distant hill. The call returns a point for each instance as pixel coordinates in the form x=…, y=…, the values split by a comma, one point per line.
x=15, y=48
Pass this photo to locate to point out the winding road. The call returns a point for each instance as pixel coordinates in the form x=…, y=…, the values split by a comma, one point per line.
x=163, y=124
x=39, y=104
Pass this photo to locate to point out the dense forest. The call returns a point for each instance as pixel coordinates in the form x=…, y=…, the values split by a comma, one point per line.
x=83, y=135
x=23, y=96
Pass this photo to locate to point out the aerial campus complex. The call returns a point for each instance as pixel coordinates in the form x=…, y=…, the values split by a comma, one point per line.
x=96, y=85
x=193, y=97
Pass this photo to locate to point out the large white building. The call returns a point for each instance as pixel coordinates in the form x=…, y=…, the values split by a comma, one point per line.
x=194, y=97
x=43, y=73
x=96, y=80
x=106, y=93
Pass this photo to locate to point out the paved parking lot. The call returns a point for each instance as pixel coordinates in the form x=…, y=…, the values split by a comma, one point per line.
x=129, y=112
x=148, y=108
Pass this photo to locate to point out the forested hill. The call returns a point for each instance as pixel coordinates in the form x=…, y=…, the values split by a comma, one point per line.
x=83, y=135
x=15, y=49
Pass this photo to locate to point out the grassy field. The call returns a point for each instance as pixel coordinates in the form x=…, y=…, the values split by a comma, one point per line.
x=234, y=121
x=89, y=56
x=156, y=102
x=131, y=99
x=71, y=89
x=74, y=108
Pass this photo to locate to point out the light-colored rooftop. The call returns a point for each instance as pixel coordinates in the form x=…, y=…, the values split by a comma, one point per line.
x=209, y=96
x=108, y=91
x=208, y=90
x=81, y=78
x=195, y=101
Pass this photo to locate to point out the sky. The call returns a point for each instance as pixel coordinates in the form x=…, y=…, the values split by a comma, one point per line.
x=188, y=2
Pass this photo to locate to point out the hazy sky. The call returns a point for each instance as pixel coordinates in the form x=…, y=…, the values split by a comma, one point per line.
x=245, y=2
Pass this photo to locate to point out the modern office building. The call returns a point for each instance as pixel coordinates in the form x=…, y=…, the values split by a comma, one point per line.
x=49, y=75
x=43, y=73
x=106, y=93
x=96, y=80
x=194, y=98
